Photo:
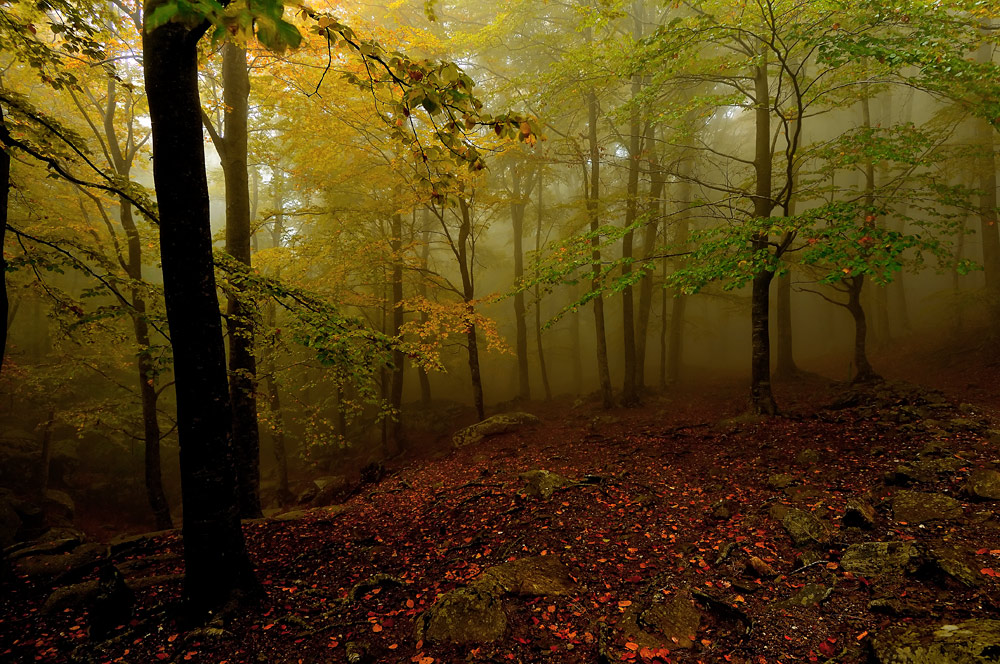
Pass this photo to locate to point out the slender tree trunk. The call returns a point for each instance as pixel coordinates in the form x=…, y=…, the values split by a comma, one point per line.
x=469, y=293
x=398, y=359
x=538, y=298
x=217, y=567
x=675, y=344
x=648, y=248
x=785, y=362
x=958, y=309
x=45, y=462
x=761, y=397
x=4, y=199
x=865, y=372
x=630, y=393
x=240, y=313
x=517, y=207
x=425, y=254
x=278, y=442
x=596, y=283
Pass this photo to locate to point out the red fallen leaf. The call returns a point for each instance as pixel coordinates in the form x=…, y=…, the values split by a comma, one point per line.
x=987, y=571
x=982, y=551
x=409, y=603
x=171, y=638
x=162, y=655
x=861, y=635
x=631, y=645
x=267, y=626
x=625, y=602
x=376, y=627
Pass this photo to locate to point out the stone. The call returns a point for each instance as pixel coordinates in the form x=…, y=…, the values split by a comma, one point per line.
x=984, y=484
x=950, y=562
x=59, y=506
x=492, y=426
x=677, y=619
x=807, y=457
x=896, y=607
x=57, y=564
x=859, y=514
x=78, y=594
x=542, y=483
x=778, y=511
x=916, y=507
x=969, y=642
x=802, y=493
x=811, y=594
x=725, y=509
x=10, y=524
x=465, y=615
x=872, y=559
x=332, y=489
x=531, y=577
x=805, y=529
x=924, y=471
x=760, y=568
x=780, y=481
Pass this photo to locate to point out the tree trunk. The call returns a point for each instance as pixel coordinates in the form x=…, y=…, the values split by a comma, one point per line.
x=538, y=299
x=425, y=254
x=398, y=359
x=240, y=314
x=517, y=207
x=648, y=248
x=630, y=393
x=865, y=372
x=675, y=345
x=596, y=282
x=217, y=567
x=280, y=448
x=4, y=199
x=469, y=293
x=45, y=462
x=785, y=366
x=761, y=397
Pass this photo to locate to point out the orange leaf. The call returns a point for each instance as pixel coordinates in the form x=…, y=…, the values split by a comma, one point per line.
x=632, y=645
x=987, y=571
x=409, y=603
x=376, y=628
x=625, y=603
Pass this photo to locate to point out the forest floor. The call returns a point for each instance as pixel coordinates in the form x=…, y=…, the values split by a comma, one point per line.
x=681, y=536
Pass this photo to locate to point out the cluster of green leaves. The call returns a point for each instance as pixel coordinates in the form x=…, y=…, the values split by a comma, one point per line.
x=263, y=19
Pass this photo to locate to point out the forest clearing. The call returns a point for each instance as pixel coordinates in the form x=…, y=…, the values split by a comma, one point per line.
x=593, y=331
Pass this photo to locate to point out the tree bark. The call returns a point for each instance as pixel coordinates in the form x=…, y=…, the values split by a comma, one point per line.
x=398, y=359
x=865, y=372
x=650, y=232
x=217, y=567
x=670, y=373
x=538, y=299
x=785, y=366
x=278, y=443
x=425, y=254
x=593, y=201
x=630, y=393
x=517, y=208
x=469, y=293
x=761, y=397
x=4, y=199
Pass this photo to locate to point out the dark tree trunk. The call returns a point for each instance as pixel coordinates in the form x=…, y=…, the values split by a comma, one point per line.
x=785, y=366
x=425, y=254
x=538, y=299
x=217, y=567
x=398, y=359
x=596, y=283
x=761, y=397
x=4, y=199
x=278, y=443
x=517, y=207
x=469, y=293
x=865, y=372
x=630, y=392
x=986, y=170
x=675, y=345
x=45, y=462
x=232, y=148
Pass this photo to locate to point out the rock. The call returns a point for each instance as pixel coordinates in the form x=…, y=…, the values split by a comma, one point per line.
x=806, y=558
x=984, y=484
x=811, y=594
x=122, y=543
x=965, y=424
x=78, y=594
x=778, y=511
x=465, y=615
x=725, y=509
x=859, y=514
x=950, y=562
x=533, y=577
x=896, y=607
x=112, y=605
x=322, y=513
x=916, y=507
x=802, y=493
x=42, y=546
x=970, y=642
x=807, y=457
x=492, y=426
x=724, y=551
x=780, y=481
x=333, y=489
x=373, y=472
x=59, y=506
x=925, y=470
x=880, y=558
x=59, y=564
x=542, y=483
x=10, y=524
x=677, y=619
x=805, y=529
x=760, y=568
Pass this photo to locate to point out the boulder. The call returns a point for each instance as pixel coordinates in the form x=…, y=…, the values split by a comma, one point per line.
x=859, y=514
x=780, y=481
x=891, y=606
x=805, y=529
x=332, y=490
x=59, y=506
x=534, y=576
x=916, y=507
x=880, y=558
x=10, y=524
x=465, y=615
x=984, y=484
x=492, y=426
x=542, y=483
x=807, y=457
x=811, y=594
x=79, y=594
x=951, y=563
x=58, y=564
x=924, y=471
x=970, y=642
x=677, y=619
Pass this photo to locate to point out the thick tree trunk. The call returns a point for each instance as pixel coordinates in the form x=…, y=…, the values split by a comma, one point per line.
x=538, y=299
x=761, y=397
x=596, y=282
x=785, y=361
x=517, y=220
x=469, y=293
x=398, y=359
x=240, y=314
x=4, y=199
x=865, y=372
x=217, y=567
